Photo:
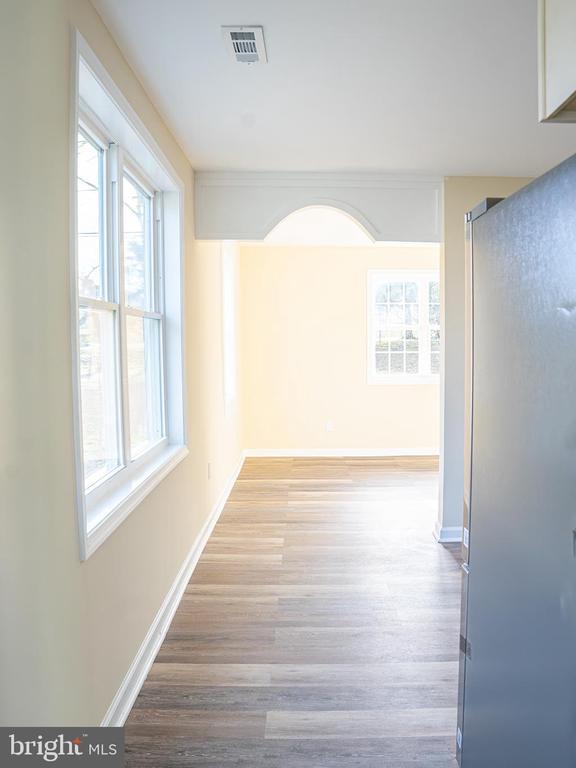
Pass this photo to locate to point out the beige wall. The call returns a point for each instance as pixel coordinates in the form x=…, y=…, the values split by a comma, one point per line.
x=304, y=352
x=69, y=630
x=461, y=194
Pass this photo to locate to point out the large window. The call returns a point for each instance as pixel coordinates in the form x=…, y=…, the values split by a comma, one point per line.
x=127, y=315
x=120, y=310
x=403, y=326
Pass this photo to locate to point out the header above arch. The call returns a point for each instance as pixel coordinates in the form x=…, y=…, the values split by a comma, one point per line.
x=247, y=206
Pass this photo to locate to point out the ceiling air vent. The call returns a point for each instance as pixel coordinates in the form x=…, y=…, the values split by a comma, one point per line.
x=246, y=44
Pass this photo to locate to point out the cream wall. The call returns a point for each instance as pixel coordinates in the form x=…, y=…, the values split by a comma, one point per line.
x=304, y=353
x=461, y=194
x=69, y=630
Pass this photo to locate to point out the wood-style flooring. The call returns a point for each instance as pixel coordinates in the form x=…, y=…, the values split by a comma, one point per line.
x=319, y=629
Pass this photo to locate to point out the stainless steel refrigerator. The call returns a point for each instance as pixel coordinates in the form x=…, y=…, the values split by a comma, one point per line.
x=517, y=695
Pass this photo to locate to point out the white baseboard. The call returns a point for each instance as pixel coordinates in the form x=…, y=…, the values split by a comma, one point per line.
x=337, y=452
x=126, y=695
x=447, y=534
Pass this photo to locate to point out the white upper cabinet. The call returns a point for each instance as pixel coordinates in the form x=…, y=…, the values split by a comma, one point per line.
x=557, y=60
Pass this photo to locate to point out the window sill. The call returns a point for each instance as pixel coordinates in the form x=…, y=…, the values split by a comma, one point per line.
x=403, y=379
x=114, y=508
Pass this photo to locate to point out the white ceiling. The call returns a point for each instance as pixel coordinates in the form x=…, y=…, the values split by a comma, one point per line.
x=435, y=86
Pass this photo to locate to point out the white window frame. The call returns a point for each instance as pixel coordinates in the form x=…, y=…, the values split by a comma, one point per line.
x=101, y=111
x=422, y=278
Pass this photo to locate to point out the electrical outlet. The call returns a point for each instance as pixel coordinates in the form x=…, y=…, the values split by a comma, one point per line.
x=329, y=426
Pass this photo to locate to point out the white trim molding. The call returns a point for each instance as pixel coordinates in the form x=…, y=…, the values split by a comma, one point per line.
x=291, y=453
x=248, y=205
x=107, y=118
x=447, y=534
x=130, y=687
x=116, y=507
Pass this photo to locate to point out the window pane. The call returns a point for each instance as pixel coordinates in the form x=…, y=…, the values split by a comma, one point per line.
x=412, y=339
x=382, y=317
x=434, y=314
x=90, y=219
x=137, y=213
x=411, y=291
x=435, y=362
x=397, y=362
x=396, y=291
x=434, y=292
x=381, y=342
x=435, y=340
x=412, y=363
x=411, y=314
x=99, y=391
x=144, y=382
x=381, y=362
x=382, y=294
x=396, y=336
x=396, y=314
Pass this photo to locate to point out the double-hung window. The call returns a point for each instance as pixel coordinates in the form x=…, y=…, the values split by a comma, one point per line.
x=403, y=326
x=121, y=323
x=120, y=311
x=129, y=385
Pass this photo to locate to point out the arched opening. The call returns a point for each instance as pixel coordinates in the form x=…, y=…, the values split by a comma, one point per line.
x=321, y=225
x=341, y=340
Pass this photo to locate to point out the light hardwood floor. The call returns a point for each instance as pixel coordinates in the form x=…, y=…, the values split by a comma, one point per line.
x=319, y=629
